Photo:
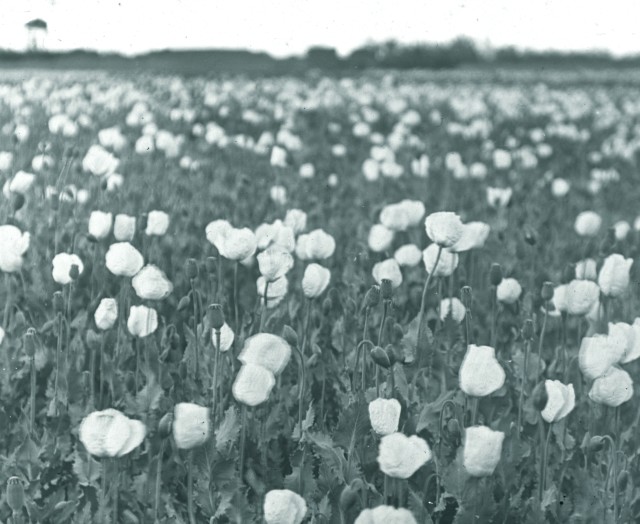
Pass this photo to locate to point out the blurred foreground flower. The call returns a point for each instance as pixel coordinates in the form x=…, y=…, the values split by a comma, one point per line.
x=614, y=275
x=13, y=245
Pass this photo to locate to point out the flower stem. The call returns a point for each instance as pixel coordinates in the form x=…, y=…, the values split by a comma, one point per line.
x=541, y=339
x=158, y=481
x=523, y=383
x=385, y=307
x=58, y=351
x=195, y=328
x=543, y=466
x=102, y=345
x=263, y=316
x=423, y=305
x=235, y=298
x=116, y=482
x=32, y=396
x=103, y=491
x=215, y=376
x=243, y=439
x=190, y=508
x=364, y=360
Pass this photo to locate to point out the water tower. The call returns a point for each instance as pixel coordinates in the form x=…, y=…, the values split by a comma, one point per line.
x=36, y=33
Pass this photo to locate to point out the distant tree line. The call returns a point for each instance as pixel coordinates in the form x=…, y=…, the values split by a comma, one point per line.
x=461, y=52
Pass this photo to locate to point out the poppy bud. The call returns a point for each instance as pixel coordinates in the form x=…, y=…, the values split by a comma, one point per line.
x=495, y=274
x=623, y=480
x=55, y=200
x=453, y=427
x=380, y=357
x=527, y=329
x=191, y=268
x=397, y=333
x=210, y=265
x=58, y=302
x=17, y=201
x=215, y=316
x=290, y=336
x=184, y=303
x=540, y=396
x=608, y=242
x=569, y=273
x=15, y=494
x=165, y=426
x=74, y=272
x=30, y=342
x=547, y=291
x=326, y=306
x=372, y=298
x=348, y=498
x=596, y=443
x=530, y=236
x=386, y=289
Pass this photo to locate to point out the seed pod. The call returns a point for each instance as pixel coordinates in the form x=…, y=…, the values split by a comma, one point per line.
x=215, y=315
x=495, y=274
x=386, y=289
x=30, y=342
x=547, y=291
x=74, y=272
x=165, y=426
x=289, y=334
x=15, y=494
x=540, y=396
x=58, y=302
x=372, y=298
x=380, y=357
x=527, y=329
x=467, y=296
x=191, y=268
x=210, y=265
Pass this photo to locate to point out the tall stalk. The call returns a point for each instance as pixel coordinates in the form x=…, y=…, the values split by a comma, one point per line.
x=423, y=304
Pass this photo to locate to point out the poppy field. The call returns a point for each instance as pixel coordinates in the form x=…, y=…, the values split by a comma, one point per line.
x=391, y=298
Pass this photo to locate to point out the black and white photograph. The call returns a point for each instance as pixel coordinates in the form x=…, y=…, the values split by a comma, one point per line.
x=319, y=262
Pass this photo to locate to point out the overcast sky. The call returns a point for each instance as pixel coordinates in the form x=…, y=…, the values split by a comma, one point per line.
x=284, y=27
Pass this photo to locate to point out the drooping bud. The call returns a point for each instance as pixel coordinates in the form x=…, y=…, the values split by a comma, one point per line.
x=17, y=201
x=372, y=298
x=184, y=303
x=165, y=426
x=386, y=289
x=380, y=357
x=495, y=274
x=547, y=291
x=623, y=480
x=30, y=342
x=540, y=396
x=15, y=494
x=191, y=268
x=58, y=302
x=215, y=315
x=453, y=427
x=327, y=306
x=527, y=329
x=596, y=443
x=290, y=335
x=348, y=498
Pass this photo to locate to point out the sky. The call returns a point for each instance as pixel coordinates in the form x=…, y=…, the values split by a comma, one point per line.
x=287, y=27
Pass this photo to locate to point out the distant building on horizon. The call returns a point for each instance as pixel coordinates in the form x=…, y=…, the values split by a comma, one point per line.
x=36, y=34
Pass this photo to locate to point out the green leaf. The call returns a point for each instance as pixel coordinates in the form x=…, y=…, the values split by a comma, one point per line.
x=87, y=469
x=148, y=399
x=228, y=430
